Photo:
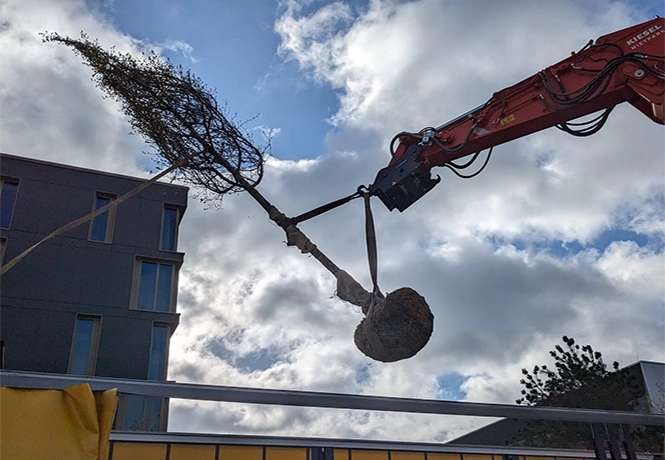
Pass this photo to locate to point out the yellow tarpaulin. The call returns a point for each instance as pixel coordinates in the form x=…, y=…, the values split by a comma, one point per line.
x=74, y=423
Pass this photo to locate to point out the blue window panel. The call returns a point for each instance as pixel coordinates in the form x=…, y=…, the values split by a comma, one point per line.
x=157, y=369
x=169, y=227
x=7, y=201
x=152, y=413
x=82, y=352
x=100, y=223
x=154, y=291
x=147, y=284
x=163, y=302
x=141, y=413
x=133, y=415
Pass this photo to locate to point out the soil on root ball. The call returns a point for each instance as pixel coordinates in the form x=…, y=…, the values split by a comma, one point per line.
x=396, y=328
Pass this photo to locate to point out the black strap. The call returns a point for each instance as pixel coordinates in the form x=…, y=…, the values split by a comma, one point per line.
x=325, y=208
x=370, y=236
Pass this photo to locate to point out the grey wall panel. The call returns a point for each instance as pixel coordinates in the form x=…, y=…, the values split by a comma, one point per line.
x=37, y=340
x=124, y=348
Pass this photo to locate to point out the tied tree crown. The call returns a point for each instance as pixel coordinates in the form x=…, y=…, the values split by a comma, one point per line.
x=176, y=114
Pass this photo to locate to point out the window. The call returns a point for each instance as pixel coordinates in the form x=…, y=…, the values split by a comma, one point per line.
x=101, y=227
x=83, y=356
x=148, y=413
x=158, y=352
x=170, y=218
x=155, y=285
x=132, y=419
x=141, y=413
x=8, y=194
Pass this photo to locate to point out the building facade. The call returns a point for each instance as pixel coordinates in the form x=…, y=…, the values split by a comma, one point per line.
x=99, y=299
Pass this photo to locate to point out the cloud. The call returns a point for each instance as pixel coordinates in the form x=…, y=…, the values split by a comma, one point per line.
x=50, y=108
x=267, y=132
x=256, y=313
x=178, y=46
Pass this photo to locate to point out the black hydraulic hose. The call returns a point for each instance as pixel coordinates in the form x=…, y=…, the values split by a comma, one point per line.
x=487, y=160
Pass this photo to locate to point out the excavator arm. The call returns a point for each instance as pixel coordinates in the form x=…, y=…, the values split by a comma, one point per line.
x=624, y=66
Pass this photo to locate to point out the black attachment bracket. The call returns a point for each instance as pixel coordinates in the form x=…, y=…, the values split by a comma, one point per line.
x=402, y=183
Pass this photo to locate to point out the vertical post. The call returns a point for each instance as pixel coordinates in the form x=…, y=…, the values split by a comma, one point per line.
x=628, y=445
x=613, y=436
x=320, y=453
x=598, y=441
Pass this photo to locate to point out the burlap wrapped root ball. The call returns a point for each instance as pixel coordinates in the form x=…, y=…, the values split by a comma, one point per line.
x=395, y=328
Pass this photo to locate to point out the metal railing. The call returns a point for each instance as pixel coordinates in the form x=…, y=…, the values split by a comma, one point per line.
x=190, y=391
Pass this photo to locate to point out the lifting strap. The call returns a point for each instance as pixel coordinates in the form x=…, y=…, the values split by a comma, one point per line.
x=372, y=253
x=348, y=288
x=325, y=208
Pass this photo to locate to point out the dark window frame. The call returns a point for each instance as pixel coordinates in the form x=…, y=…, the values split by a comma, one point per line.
x=93, y=348
x=153, y=409
x=3, y=249
x=176, y=225
x=146, y=421
x=108, y=215
x=14, y=181
x=135, y=303
x=165, y=357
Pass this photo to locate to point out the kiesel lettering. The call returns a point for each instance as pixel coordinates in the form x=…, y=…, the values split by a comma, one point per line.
x=643, y=34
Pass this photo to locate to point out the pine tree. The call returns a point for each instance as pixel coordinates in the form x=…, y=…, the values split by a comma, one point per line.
x=580, y=379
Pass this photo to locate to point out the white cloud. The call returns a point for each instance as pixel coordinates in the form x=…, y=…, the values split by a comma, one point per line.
x=267, y=133
x=255, y=313
x=50, y=108
x=632, y=269
x=177, y=46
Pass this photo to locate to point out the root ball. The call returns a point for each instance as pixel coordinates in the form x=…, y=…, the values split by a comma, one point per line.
x=396, y=328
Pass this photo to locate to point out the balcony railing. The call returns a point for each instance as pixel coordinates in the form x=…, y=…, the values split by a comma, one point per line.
x=190, y=391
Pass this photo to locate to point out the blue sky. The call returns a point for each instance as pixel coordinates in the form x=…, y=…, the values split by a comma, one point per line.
x=234, y=49
x=601, y=242
x=220, y=35
x=509, y=262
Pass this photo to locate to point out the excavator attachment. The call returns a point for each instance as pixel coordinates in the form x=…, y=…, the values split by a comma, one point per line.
x=402, y=183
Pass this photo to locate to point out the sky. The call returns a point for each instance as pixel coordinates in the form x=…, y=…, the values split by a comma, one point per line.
x=559, y=236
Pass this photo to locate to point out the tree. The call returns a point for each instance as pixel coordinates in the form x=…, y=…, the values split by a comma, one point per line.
x=580, y=379
x=190, y=133
x=576, y=367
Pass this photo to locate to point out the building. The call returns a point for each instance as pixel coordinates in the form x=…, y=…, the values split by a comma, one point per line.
x=100, y=299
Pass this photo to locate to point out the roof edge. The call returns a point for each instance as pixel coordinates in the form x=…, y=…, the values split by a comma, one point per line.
x=88, y=170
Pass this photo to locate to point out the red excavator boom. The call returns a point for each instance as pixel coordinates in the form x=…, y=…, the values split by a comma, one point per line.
x=624, y=66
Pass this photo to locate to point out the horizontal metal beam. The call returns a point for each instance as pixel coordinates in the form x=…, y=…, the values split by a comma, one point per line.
x=191, y=391
x=336, y=443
